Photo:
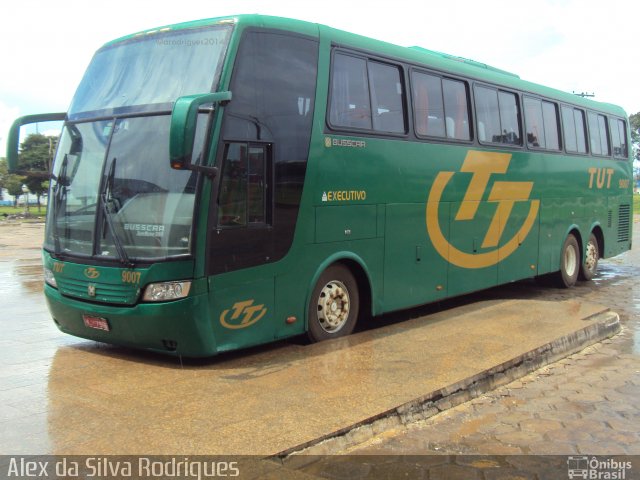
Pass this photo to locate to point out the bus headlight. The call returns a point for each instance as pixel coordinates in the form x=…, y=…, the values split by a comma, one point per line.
x=49, y=278
x=161, y=292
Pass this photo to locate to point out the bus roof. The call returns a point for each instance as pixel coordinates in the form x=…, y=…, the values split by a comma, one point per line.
x=418, y=56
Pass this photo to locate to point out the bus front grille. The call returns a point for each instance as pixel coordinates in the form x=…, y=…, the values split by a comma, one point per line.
x=98, y=292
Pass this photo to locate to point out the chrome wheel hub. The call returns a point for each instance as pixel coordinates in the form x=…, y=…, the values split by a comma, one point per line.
x=591, y=257
x=333, y=306
x=570, y=261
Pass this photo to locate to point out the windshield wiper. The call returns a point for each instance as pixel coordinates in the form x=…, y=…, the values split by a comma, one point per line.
x=59, y=196
x=105, y=200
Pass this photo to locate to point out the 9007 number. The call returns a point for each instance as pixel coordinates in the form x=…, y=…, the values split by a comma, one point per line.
x=130, y=277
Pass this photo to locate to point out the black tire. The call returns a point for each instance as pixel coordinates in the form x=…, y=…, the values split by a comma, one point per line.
x=569, y=263
x=334, y=304
x=589, y=265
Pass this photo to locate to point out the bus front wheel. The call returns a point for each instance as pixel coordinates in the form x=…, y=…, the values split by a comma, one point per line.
x=334, y=304
x=569, y=263
x=591, y=257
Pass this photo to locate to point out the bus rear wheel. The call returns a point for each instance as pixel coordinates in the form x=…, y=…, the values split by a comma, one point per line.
x=591, y=256
x=569, y=263
x=334, y=304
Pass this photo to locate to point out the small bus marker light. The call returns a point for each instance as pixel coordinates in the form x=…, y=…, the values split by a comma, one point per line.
x=291, y=320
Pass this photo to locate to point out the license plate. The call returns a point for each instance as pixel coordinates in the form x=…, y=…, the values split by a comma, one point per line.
x=96, y=322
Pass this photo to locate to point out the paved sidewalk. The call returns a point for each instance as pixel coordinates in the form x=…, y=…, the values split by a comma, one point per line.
x=584, y=404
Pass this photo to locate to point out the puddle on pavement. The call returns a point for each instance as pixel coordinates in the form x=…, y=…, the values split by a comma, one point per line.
x=20, y=277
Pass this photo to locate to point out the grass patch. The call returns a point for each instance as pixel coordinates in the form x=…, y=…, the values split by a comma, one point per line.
x=33, y=210
x=636, y=203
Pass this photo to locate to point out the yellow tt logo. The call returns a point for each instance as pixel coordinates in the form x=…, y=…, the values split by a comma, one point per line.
x=91, y=273
x=244, y=314
x=504, y=194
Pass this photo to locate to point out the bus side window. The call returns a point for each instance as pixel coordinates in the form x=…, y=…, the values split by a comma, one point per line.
x=500, y=113
x=581, y=129
x=232, y=198
x=569, y=129
x=456, y=108
x=541, y=120
x=350, y=93
x=574, y=128
x=428, y=105
x=598, y=134
x=386, y=97
x=622, y=132
x=366, y=95
x=618, y=137
x=242, y=198
x=551, y=133
x=509, y=118
x=535, y=123
x=487, y=111
x=594, y=134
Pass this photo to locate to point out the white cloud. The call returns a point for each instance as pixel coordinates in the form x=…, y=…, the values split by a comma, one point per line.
x=54, y=132
x=7, y=115
x=567, y=44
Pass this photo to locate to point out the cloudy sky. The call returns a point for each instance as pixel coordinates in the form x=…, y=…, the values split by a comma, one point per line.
x=573, y=45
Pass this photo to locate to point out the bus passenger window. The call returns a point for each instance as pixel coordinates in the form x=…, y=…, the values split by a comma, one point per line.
x=581, y=129
x=574, y=130
x=535, y=123
x=366, y=95
x=542, y=124
x=487, y=112
x=551, y=133
x=428, y=105
x=594, y=134
x=386, y=97
x=598, y=137
x=350, y=93
x=456, y=109
x=569, y=127
x=498, y=113
x=619, y=138
x=509, y=118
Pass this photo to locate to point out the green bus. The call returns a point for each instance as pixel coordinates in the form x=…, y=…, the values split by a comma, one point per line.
x=233, y=181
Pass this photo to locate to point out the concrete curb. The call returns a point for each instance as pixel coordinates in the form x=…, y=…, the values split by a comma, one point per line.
x=602, y=325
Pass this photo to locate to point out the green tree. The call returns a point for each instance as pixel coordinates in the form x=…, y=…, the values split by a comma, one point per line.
x=634, y=123
x=634, y=120
x=34, y=162
x=4, y=171
x=13, y=183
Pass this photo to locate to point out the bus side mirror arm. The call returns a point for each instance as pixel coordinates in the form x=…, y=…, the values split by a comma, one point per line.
x=184, y=118
x=13, y=139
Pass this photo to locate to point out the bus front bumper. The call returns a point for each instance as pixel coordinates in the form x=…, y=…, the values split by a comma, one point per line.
x=181, y=327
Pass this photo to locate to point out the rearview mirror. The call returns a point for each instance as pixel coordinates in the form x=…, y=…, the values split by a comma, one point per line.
x=183, y=125
x=13, y=140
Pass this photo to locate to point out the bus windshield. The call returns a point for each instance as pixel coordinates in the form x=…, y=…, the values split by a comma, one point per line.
x=114, y=195
x=149, y=73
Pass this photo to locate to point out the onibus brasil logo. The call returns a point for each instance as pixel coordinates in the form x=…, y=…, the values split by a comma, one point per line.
x=482, y=165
